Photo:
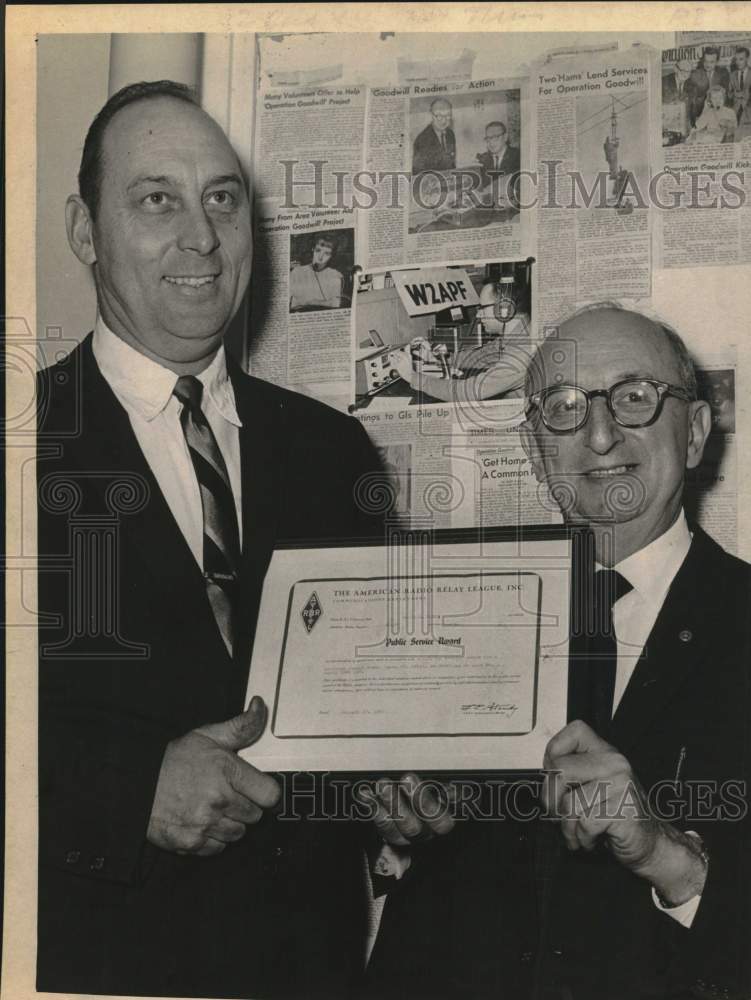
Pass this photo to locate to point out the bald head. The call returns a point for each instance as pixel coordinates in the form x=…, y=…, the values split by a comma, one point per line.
x=603, y=330
x=440, y=104
x=624, y=480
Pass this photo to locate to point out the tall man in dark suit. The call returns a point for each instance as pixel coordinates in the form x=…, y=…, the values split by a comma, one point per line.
x=166, y=476
x=706, y=75
x=435, y=147
x=648, y=781
x=739, y=94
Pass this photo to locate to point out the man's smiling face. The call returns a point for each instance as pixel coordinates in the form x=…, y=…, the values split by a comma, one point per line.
x=172, y=235
x=605, y=473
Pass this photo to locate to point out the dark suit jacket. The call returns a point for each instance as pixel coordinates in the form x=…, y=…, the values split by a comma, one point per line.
x=686, y=709
x=740, y=96
x=672, y=90
x=509, y=163
x=461, y=924
x=498, y=909
x=134, y=660
x=429, y=154
x=508, y=167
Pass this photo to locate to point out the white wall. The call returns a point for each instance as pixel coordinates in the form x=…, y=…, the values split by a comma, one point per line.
x=72, y=77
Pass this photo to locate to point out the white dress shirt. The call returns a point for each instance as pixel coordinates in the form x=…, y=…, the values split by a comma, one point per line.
x=144, y=388
x=650, y=571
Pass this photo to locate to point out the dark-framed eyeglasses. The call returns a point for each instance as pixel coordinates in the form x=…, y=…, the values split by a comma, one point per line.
x=632, y=402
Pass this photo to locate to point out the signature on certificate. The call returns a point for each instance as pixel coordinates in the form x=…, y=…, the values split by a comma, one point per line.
x=489, y=708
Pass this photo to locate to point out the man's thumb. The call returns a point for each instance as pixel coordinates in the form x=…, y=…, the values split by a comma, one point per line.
x=241, y=731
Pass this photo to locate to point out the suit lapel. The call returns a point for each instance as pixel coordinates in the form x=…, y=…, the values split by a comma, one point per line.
x=261, y=459
x=109, y=449
x=679, y=643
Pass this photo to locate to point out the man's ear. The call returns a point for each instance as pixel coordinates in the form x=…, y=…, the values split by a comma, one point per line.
x=79, y=228
x=532, y=451
x=699, y=426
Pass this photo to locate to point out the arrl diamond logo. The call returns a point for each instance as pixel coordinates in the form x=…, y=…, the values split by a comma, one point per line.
x=311, y=612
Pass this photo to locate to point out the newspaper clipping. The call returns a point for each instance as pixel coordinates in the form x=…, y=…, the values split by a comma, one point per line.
x=592, y=142
x=405, y=224
x=445, y=159
x=706, y=152
x=308, y=149
x=713, y=487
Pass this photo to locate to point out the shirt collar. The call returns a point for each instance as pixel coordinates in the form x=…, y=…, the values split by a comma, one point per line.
x=651, y=570
x=145, y=387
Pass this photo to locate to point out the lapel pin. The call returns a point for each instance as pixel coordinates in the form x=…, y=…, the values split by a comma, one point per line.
x=686, y=635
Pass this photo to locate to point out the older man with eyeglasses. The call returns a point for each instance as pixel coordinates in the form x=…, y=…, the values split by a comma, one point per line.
x=435, y=147
x=499, y=165
x=647, y=782
x=629, y=879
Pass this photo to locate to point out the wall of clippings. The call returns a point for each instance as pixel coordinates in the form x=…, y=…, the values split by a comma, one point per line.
x=429, y=205
x=537, y=180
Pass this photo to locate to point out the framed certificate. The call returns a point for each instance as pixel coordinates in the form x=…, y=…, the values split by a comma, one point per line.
x=437, y=651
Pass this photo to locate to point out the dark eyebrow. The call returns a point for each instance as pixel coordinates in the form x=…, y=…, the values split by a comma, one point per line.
x=226, y=179
x=150, y=179
x=165, y=179
x=632, y=375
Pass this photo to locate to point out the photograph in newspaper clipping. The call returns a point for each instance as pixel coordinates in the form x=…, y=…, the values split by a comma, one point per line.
x=440, y=358
x=714, y=484
x=479, y=137
x=445, y=160
x=451, y=334
x=706, y=149
x=307, y=151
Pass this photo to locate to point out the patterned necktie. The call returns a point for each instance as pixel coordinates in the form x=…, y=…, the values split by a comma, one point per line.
x=594, y=655
x=221, y=539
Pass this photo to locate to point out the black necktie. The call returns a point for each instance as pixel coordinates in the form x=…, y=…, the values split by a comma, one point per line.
x=221, y=540
x=594, y=654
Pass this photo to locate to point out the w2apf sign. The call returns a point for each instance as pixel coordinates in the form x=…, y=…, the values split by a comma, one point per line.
x=432, y=289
